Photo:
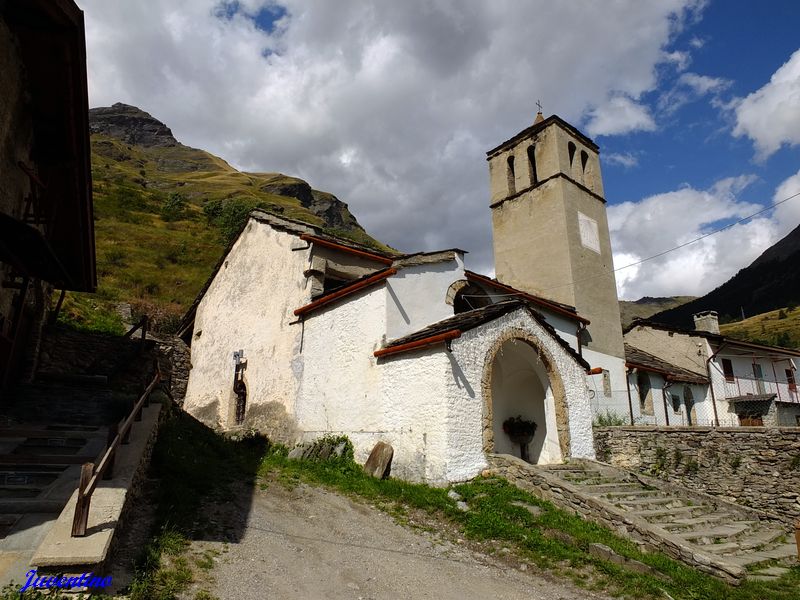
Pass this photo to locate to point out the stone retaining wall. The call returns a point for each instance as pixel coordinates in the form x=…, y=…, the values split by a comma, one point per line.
x=756, y=467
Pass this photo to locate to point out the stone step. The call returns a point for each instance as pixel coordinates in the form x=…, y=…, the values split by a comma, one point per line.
x=782, y=552
x=769, y=574
x=684, y=523
x=655, y=513
x=651, y=502
x=708, y=535
x=763, y=538
x=632, y=494
x=612, y=487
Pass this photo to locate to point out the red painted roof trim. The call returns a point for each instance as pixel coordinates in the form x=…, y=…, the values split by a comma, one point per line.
x=428, y=341
x=535, y=299
x=346, y=291
x=333, y=245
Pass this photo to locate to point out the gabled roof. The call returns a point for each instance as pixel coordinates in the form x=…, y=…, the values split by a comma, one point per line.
x=471, y=319
x=345, y=290
x=715, y=338
x=634, y=357
x=303, y=230
x=557, y=307
x=537, y=127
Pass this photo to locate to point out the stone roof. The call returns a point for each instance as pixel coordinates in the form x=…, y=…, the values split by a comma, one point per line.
x=539, y=126
x=717, y=338
x=647, y=362
x=474, y=318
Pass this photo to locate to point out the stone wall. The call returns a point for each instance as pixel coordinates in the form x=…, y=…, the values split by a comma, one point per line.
x=755, y=467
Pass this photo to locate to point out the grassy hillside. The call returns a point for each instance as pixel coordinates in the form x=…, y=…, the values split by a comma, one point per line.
x=777, y=328
x=646, y=307
x=163, y=217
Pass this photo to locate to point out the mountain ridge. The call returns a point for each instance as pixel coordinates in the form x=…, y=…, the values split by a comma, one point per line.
x=770, y=282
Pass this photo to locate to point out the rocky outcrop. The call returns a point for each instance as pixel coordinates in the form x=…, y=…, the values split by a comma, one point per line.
x=326, y=206
x=131, y=125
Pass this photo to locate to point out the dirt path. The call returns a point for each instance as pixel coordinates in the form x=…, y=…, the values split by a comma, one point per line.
x=311, y=543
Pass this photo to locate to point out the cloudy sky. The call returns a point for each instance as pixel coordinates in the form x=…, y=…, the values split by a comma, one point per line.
x=392, y=105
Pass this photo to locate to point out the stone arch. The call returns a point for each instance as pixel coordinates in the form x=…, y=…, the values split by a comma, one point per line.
x=556, y=385
x=454, y=288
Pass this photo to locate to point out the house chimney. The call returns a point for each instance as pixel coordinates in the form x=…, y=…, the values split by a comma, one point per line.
x=706, y=321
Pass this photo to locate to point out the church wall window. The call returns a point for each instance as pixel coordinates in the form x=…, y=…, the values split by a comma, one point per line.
x=511, y=176
x=532, y=165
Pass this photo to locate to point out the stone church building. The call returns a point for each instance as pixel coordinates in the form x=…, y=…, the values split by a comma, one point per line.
x=301, y=334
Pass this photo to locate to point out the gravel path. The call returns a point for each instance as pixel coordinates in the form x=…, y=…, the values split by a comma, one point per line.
x=312, y=543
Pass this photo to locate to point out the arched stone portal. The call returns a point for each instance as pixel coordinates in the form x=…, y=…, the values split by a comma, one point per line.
x=519, y=380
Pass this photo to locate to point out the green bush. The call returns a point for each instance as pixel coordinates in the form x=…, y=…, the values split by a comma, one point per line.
x=174, y=208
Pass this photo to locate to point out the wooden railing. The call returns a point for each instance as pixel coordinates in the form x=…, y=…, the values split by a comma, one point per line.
x=143, y=324
x=117, y=435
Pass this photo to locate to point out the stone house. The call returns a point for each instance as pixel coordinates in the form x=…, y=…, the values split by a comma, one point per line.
x=745, y=383
x=46, y=223
x=299, y=333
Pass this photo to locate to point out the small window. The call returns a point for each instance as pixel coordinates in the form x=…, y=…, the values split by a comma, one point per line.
x=571, y=148
x=511, y=176
x=727, y=368
x=532, y=165
x=791, y=380
x=676, y=403
x=584, y=160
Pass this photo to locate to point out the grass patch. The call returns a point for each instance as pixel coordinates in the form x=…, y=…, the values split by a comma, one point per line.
x=551, y=538
x=193, y=465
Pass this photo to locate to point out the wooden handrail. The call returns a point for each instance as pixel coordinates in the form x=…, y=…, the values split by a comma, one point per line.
x=143, y=325
x=90, y=476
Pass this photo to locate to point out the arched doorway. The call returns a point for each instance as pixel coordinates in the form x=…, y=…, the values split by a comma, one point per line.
x=519, y=384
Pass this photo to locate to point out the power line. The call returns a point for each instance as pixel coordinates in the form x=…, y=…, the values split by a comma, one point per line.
x=678, y=247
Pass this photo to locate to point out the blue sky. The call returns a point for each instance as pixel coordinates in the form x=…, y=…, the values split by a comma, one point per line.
x=391, y=106
x=744, y=43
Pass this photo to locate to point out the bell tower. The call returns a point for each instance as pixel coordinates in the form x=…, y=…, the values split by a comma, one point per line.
x=550, y=228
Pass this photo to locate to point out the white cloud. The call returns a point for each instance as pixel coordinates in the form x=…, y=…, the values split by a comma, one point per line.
x=703, y=84
x=690, y=87
x=660, y=222
x=623, y=159
x=389, y=105
x=771, y=116
x=680, y=59
x=620, y=114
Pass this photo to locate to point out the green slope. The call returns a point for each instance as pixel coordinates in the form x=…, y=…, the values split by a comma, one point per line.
x=164, y=214
x=777, y=328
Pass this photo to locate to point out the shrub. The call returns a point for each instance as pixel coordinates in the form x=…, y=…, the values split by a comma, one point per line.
x=609, y=419
x=174, y=208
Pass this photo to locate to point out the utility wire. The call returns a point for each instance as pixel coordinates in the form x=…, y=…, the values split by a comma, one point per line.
x=678, y=247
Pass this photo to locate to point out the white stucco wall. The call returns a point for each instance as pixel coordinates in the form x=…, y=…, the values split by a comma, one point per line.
x=416, y=296
x=249, y=307
x=346, y=390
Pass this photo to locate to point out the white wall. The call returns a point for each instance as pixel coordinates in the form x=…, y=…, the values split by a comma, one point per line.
x=249, y=307
x=416, y=296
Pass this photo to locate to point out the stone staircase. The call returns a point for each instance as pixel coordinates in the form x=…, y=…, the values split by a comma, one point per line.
x=720, y=538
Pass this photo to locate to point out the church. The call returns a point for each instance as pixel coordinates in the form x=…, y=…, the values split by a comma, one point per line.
x=300, y=334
